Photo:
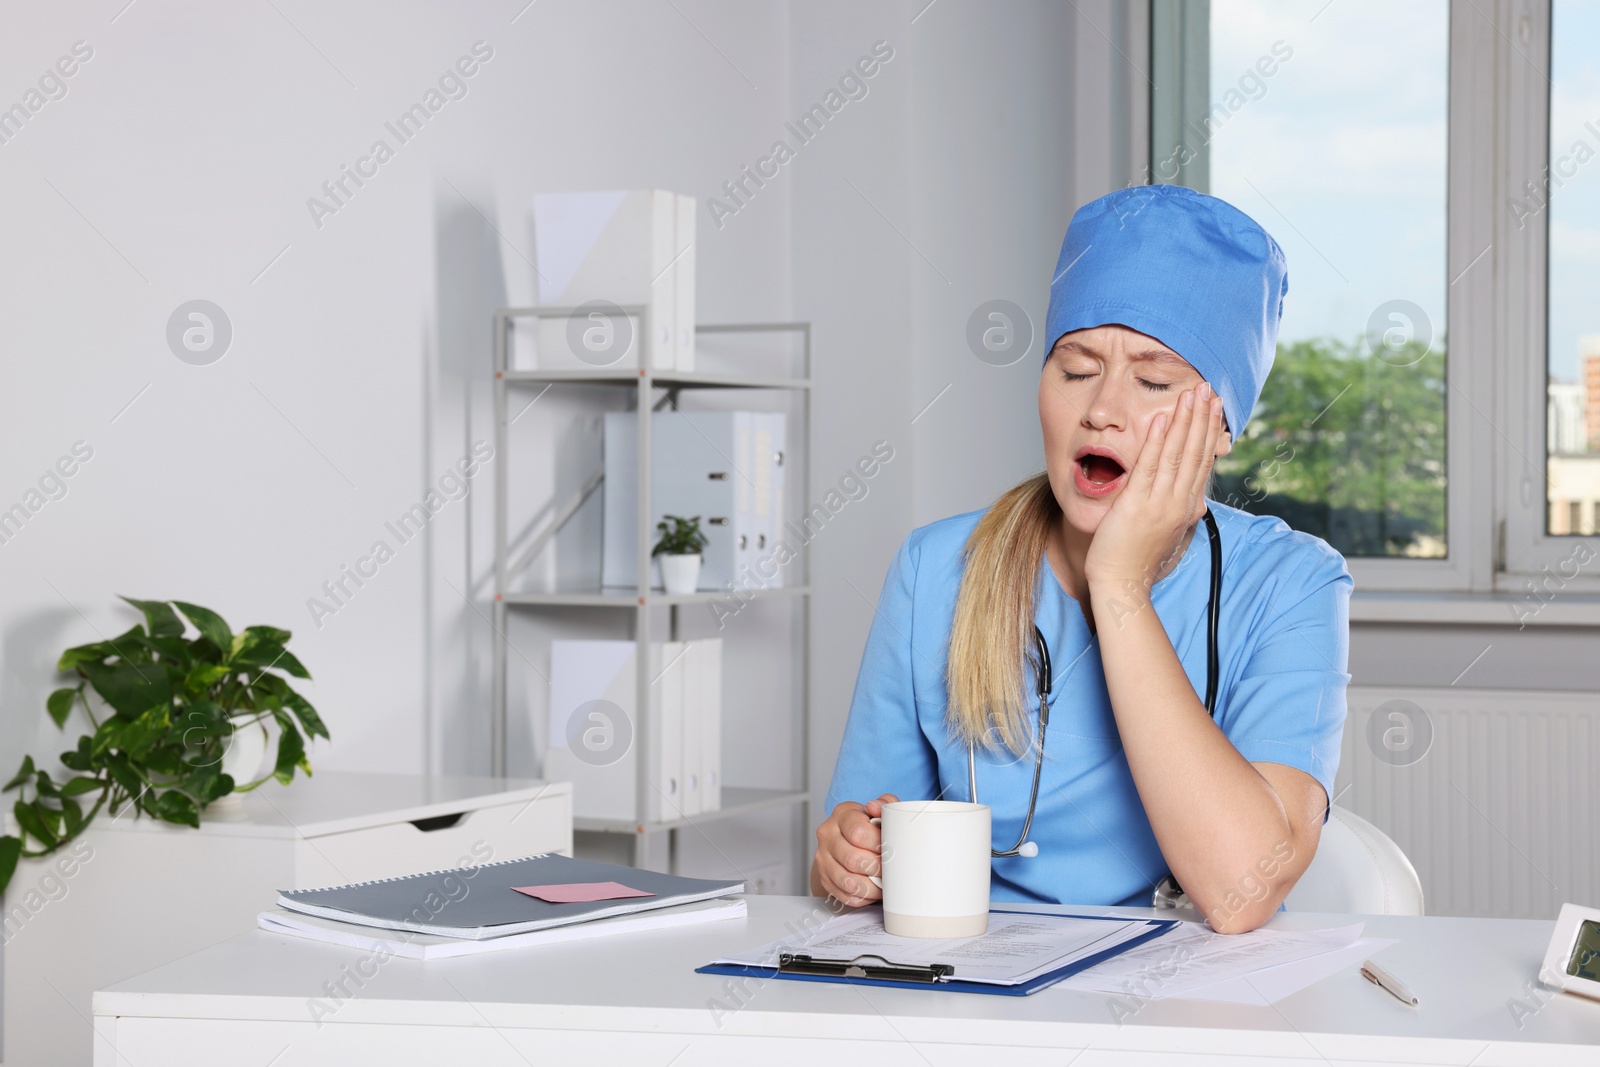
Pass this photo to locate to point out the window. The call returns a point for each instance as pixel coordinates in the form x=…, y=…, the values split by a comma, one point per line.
x=1333, y=137
x=1432, y=171
x=1550, y=234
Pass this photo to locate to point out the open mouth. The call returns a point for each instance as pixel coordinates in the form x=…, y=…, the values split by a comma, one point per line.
x=1100, y=470
x=1097, y=473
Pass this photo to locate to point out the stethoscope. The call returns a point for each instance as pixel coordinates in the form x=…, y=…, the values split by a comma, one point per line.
x=1027, y=848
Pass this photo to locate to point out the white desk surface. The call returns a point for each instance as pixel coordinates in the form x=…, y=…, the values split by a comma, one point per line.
x=1467, y=973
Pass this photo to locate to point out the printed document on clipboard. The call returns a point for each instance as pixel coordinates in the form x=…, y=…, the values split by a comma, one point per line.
x=1021, y=952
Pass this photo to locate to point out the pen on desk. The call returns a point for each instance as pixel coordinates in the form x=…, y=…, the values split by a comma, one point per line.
x=1380, y=977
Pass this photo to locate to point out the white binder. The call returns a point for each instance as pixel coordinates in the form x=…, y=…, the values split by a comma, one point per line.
x=668, y=794
x=691, y=754
x=683, y=284
x=692, y=473
x=603, y=773
x=702, y=725
x=611, y=245
x=767, y=520
x=779, y=457
x=744, y=547
x=707, y=705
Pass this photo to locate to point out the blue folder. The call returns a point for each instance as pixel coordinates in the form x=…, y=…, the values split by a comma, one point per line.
x=1021, y=989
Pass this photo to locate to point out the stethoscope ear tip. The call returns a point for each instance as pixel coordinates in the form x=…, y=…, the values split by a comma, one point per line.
x=1028, y=849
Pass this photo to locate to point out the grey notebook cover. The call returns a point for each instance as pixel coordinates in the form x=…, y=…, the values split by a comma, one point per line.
x=479, y=902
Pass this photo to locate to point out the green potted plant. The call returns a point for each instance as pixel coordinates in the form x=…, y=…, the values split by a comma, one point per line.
x=164, y=711
x=679, y=548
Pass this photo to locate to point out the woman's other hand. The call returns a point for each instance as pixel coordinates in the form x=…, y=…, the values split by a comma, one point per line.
x=847, y=852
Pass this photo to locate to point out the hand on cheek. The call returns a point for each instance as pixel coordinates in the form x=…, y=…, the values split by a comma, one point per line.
x=1138, y=539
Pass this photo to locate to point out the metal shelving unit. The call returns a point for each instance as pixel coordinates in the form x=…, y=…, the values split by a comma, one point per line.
x=641, y=600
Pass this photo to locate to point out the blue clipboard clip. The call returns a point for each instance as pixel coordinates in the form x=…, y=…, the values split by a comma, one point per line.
x=800, y=963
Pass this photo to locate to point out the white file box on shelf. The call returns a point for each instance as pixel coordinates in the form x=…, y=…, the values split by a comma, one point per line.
x=683, y=268
x=621, y=247
x=593, y=728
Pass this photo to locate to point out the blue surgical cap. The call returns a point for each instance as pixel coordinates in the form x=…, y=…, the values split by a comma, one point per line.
x=1188, y=269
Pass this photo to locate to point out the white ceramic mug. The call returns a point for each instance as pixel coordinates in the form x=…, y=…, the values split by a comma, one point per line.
x=935, y=868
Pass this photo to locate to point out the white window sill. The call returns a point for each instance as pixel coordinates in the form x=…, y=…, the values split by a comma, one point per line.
x=1475, y=609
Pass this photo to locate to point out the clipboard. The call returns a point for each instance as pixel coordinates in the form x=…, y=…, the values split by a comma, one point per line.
x=862, y=971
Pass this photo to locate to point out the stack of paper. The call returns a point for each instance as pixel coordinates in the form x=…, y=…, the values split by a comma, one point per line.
x=1260, y=967
x=436, y=947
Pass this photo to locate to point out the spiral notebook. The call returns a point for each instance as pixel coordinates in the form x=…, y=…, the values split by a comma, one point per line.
x=408, y=945
x=480, y=901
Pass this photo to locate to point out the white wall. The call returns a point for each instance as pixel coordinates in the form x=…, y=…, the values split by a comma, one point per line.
x=179, y=164
x=991, y=144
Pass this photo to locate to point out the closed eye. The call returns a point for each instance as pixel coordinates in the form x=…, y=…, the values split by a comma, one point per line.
x=1154, y=387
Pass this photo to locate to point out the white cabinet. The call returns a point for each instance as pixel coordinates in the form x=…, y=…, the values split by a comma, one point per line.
x=133, y=893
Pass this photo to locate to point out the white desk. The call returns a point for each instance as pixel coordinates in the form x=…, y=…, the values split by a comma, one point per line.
x=636, y=1000
x=144, y=892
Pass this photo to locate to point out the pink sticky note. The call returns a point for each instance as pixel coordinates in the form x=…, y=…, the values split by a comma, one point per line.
x=578, y=892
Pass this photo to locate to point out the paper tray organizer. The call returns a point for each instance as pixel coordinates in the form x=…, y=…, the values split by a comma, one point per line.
x=860, y=971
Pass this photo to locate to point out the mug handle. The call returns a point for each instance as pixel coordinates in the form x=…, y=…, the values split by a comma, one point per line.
x=874, y=879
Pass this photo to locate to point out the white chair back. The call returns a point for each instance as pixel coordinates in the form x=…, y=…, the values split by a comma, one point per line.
x=1357, y=870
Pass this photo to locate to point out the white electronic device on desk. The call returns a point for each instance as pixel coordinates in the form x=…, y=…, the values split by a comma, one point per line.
x=1572, y=962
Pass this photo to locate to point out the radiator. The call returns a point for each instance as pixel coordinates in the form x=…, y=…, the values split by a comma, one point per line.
x=1491, y=793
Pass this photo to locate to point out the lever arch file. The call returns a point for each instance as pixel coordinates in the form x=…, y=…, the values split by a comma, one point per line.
x=694, y=471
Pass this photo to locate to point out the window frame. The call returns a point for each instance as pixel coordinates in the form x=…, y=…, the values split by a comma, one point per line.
x=1496, y=362
x=1531, y=556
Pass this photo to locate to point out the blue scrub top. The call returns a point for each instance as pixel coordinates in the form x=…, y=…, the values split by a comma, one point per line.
x=1283, y=643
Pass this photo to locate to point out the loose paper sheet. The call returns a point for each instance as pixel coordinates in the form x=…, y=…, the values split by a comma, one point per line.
x=1191, y=957
x=1275, y=983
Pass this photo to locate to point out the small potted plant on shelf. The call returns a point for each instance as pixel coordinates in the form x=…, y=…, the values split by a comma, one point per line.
x=165, y=712
x=679, y=548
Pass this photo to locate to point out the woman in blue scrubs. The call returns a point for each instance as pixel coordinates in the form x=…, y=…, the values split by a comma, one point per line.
x=1163, y=321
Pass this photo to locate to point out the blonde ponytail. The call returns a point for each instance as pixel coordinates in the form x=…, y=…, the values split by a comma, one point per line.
x=993, y=626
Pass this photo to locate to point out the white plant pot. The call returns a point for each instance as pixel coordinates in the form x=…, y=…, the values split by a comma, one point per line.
x=244, y=761
x=680, y=574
